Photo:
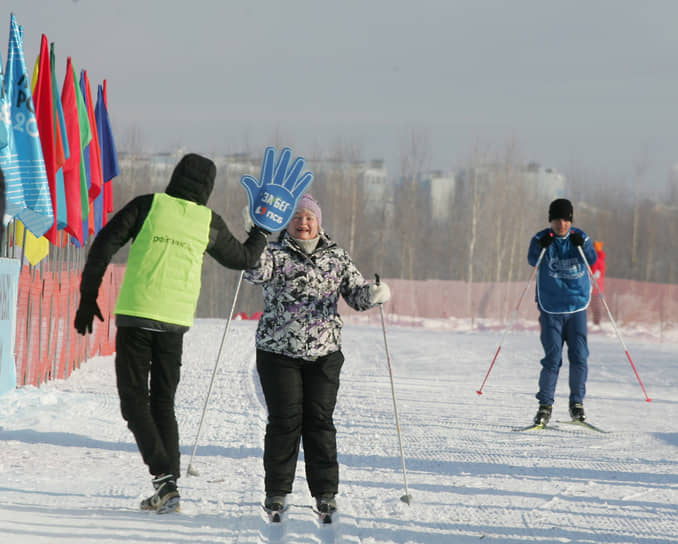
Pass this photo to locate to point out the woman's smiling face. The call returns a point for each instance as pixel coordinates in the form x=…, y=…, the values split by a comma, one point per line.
x=304, y=225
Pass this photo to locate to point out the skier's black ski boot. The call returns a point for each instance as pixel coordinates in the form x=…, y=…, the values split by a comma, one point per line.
x=275, y=506
x=543, y=415
x=577, y=412
x=166, y=496
x=326, y=506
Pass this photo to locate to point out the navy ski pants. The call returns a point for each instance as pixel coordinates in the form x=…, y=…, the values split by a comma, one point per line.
x=556, y=330
x=300, y=397
x=146, y=357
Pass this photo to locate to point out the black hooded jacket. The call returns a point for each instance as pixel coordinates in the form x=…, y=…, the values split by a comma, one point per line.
x=192, y=179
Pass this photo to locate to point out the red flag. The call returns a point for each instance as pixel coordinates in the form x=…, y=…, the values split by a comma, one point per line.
x=96, y=174
x=44, y=114
x=95, y=155
x=72, y=181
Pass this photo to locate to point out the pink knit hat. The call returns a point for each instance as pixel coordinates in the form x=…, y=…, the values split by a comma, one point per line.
x=307, y=202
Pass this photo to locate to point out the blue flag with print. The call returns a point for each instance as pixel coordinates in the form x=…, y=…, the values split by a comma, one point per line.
x=274, y=196
x=5, y=118
x=26, y=188
x=109, y=160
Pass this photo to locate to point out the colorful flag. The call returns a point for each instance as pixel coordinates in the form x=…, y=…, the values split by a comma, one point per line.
x=85, y=139
x=93, y=152
x=61, y=146
x=5, y=116
x=34, y=249
x=27, y=189
x=79, y=135
x=44, y=114
x=109, y=205
x=109, y=160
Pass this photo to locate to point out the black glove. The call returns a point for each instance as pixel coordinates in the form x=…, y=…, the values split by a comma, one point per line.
x=84, y=317
x=545, y=241
x=263, y=231
x=577, y=238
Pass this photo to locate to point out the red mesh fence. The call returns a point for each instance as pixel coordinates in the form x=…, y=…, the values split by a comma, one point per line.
x=637, y=307
x=47, y=345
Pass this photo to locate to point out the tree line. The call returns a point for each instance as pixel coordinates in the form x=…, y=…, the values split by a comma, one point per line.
x=391, y=230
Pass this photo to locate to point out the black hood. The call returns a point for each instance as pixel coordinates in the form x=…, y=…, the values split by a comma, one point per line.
x=192, y=179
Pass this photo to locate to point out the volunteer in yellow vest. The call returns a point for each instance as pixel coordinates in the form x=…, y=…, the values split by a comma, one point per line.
x=171, y=231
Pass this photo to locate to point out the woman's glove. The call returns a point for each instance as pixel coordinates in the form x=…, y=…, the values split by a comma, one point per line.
x=379, y=293
x=246, y=219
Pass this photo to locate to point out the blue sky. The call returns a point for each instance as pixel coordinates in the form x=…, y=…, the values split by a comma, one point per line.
x=589, y=84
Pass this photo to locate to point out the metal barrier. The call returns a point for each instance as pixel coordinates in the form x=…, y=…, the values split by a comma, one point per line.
x=9, y=283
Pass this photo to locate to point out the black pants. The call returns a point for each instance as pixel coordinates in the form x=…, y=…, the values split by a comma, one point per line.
x=300, y=396
x=150, y=412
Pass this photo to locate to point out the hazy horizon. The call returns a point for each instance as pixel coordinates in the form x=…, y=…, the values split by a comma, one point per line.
x=579, y=85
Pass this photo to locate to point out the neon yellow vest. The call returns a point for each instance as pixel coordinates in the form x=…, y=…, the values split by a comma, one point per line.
x=162, y=278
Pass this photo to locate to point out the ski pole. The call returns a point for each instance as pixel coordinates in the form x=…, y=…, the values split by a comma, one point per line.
x=407, y=498
x=191, y=471
x=511, y=320
x=614, y=325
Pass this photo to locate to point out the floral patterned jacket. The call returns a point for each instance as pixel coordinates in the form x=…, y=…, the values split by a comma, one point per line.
x=301, y=292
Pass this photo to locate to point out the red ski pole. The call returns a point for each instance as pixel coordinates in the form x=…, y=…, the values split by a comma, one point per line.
x=513, y=316
x=614, y=325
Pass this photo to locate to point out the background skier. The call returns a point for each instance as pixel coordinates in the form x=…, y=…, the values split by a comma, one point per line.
x=598, y=270
x=563, y=294
x=299, y=356
x=171, y=231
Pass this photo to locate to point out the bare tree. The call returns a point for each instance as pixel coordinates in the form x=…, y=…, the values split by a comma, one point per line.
x=414, y=158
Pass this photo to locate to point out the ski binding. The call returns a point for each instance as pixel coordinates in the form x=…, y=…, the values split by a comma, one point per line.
x=275, y=516
x=325, y=518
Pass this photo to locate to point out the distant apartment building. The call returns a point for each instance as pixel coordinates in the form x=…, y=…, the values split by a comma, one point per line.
x=442, y=190
x=446, y=188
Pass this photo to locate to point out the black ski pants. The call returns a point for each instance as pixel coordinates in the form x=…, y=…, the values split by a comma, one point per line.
x=300, y=397
x=148, y=404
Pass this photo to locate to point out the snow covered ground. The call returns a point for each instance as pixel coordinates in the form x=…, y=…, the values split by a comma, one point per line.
x=70, y=471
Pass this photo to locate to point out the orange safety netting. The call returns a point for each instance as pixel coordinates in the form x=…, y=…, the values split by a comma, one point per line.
x=633, y=304
x=47, y=345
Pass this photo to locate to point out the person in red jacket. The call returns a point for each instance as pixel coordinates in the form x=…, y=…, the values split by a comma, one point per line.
x=598, y=269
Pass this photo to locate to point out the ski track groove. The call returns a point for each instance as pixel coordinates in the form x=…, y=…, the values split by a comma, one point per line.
x=584, y=487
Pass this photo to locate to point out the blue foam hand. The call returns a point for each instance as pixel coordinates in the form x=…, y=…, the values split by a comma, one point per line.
x=274, y=196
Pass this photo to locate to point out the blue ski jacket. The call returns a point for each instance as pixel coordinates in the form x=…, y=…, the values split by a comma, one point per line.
x=563, y=283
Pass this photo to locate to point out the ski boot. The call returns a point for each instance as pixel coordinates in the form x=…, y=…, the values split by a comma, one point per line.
x=275, y=502
x=166, y=496
x=577, y=412
x=326, y=503
x=543, y=415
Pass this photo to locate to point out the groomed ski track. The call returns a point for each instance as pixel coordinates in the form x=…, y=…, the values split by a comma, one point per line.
x=70, y=471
